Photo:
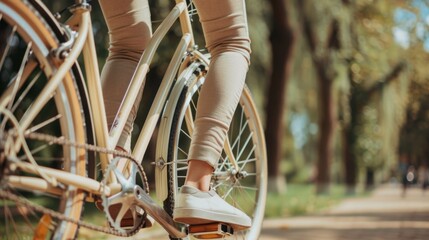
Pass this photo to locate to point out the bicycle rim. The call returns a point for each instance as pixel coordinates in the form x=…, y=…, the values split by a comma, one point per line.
x=25, y=66
x=248, y=146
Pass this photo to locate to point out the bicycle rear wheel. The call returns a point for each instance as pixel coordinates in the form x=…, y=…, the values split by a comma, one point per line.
x=26, y=65
x=245, y=187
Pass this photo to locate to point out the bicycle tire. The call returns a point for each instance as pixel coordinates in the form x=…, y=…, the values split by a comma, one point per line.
x=29, y=35
x=246, y=135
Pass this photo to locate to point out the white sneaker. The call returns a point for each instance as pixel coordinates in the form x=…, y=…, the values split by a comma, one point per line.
x=197, y=207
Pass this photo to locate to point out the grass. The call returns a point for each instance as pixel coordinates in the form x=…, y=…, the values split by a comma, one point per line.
x=301, y=199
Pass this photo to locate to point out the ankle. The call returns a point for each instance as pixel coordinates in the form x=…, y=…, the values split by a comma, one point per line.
x=199, y=175
x=200, y=186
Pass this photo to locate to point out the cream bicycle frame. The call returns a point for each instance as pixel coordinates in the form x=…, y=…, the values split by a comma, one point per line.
x=84, y=44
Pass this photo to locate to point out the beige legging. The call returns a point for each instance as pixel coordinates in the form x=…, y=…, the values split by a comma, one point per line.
x=225, y=29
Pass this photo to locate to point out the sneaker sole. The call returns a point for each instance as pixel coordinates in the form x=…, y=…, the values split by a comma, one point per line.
x=193, y=216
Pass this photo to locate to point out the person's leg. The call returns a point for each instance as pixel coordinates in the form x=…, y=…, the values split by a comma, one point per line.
x=225, y=29
x=218, y=99
x=130, y=30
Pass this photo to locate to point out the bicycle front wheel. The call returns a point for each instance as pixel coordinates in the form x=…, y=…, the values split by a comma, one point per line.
x=26, y=65
x=243, y=184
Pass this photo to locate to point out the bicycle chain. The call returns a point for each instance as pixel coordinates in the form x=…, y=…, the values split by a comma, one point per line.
x=61, y=141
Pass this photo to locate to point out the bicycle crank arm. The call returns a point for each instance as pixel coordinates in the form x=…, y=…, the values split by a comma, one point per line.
x=144, y=201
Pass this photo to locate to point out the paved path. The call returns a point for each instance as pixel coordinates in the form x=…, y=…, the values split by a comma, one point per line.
x=383, y=215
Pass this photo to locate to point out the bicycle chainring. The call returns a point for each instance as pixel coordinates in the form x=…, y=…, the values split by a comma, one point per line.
x=121, y=210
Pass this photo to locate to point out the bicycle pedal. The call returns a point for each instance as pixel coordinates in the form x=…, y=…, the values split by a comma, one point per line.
x=211, y=231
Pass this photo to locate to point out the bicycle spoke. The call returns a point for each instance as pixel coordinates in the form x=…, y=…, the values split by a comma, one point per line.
x=238, y=191
x=241, y=187
x=182, y=168
x=9, y=44
x=224, y=195
x=43, y=124
x=182, y=161
x=194, y=105
x=186, y=134
x=19, y=75
x=49, y=159
x=26, y=218
x=238, y=137
x=252, y=174
x=241, y=123
x=248, y=160
x=9, y=218
x=223, y=182
x=183, y=151
x=25, y=213
x=223, y=161
x=34, y=151
x=26, y=91
x=245, y=144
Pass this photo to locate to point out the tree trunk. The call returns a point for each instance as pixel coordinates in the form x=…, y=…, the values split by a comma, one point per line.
x=325, y=74
x=327, y=122
x=349, y=158
x=370, y=179
x=282, y=41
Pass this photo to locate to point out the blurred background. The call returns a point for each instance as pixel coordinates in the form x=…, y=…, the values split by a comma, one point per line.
x=342, y=88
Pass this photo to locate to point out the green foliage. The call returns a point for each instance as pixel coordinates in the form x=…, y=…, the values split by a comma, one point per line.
x=368, y=53
x=370, y=145
x=414, y=133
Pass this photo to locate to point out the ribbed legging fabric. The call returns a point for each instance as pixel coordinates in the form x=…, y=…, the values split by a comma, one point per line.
x=226, y=34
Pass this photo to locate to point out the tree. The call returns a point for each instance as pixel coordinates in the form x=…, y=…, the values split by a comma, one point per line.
x=282, y=40
x=360, y=97
x=411, y=21
x=322, y=32
x=345, y=39
x=371, y=72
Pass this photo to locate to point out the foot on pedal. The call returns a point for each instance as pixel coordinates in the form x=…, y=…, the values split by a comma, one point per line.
x=211, y=231
x=197, y=207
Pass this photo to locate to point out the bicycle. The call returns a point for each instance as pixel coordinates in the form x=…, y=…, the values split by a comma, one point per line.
x=56, y=152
